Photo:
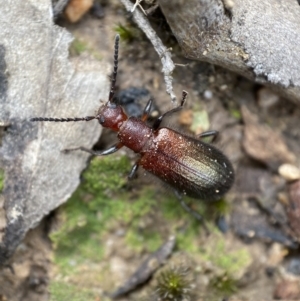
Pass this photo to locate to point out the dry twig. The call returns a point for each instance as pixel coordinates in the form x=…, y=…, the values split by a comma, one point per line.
x=137, y=3
x=162, y=51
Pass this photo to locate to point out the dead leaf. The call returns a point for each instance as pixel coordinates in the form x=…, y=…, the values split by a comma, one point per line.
x=263, y=143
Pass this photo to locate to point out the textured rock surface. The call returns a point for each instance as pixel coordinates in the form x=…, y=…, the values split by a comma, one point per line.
x=37, y=79
x=257, y=39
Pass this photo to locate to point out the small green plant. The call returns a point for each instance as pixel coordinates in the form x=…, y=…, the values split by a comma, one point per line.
x=173, y=285
x=77, y=47
x=127, y=32
x=235, y=113
x=224, y=285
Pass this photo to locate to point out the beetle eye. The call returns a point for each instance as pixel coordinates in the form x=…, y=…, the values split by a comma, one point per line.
x=101, y=119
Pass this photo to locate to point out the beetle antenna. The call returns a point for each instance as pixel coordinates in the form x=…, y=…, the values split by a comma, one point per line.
x=87, y=118
x=110, y=98
x=115, y=71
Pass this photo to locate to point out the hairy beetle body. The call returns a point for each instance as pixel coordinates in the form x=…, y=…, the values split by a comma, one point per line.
x=189, y=165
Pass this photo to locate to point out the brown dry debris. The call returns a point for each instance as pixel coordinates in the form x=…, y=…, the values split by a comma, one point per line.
x=76, y=9
x=287, y=289
x=264, y=144
x=146, y=269
x=26, y=275
x=293, y=210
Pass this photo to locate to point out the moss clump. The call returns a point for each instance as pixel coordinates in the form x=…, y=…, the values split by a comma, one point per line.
x=138, y=239
x=65, y=292
x=223, y=257
x=77, y=47
x=173, y=284
x=127, y=32
x=221, y=207
x=227, y=263
x=100, y=204
x=236, y=113
x=187, y=228
x=97, y=201
x=103, y=203
x=224, y=285
x=172, y=209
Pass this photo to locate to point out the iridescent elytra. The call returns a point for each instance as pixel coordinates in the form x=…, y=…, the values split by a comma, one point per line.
x=189, y=165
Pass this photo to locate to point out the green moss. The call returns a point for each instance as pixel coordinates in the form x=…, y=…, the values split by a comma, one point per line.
x=104, y=202
x=86, y=215
x=127, y=32
x=101, y=202
x=173, y=284
x=221, y=256
x=224, y=285
x=186, y=240
x=77, y=47
x=227, y=264
x=186, y=227
x=60, y=291
x=147, y=239
x=172, y=210
x=1, y=179
x=221, y=207
x=236, y=113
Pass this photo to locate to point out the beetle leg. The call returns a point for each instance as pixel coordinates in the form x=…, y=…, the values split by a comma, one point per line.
x=213, y=134
x=222, y=224
x=191, y=211
x=147, y=110
x=158, y=121
x=109, y=151
x=133, y=170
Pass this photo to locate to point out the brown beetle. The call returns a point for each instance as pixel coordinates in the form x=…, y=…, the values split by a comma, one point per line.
x=189, y=165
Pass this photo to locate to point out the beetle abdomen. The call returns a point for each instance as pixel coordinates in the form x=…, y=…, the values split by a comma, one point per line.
x=189, y=165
